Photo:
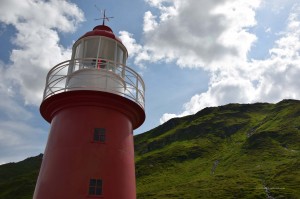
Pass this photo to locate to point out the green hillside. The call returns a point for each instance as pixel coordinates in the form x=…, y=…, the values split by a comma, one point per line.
x=232, y=151
x=17, y=180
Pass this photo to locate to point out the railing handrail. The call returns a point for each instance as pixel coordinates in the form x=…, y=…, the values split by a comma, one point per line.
x=58, y=77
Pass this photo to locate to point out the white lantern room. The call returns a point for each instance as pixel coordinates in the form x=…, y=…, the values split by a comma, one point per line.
x=99, y=60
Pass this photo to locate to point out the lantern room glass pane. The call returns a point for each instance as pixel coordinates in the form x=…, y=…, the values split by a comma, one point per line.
x=120, y=55
x=91, y=48
x=107, y=49
x=79, y=51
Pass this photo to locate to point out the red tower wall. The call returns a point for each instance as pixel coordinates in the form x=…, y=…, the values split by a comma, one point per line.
x=72, y=157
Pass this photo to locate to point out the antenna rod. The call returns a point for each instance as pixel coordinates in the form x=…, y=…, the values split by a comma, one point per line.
x=104, y=16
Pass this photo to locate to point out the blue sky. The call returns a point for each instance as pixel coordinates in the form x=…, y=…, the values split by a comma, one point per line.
x=191, y=54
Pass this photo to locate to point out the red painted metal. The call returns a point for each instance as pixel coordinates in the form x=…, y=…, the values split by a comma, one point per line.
x=101, y=30
x=72, y=158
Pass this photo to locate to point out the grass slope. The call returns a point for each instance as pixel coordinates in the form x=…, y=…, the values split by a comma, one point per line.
x=232, y=151
x=17, y=180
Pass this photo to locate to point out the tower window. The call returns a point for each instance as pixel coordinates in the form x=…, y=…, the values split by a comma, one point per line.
x=95, y=187
x=99, y=135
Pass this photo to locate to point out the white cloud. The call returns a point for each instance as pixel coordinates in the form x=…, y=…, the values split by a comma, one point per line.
x=134, y=49
x=149, y=22
x=198, y=33
x=37, y=43
x=168, y=116
x=58, y=14
x=269, y=80
x=36, y=49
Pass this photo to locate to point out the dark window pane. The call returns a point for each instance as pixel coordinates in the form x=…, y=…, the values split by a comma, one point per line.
x=99, y=182
x=92, y=191
x=96, y=136
x=92, y=182
x=95, y=187
x=99, y=134
x=98, y=191
x=100, y=130
x=102, y=138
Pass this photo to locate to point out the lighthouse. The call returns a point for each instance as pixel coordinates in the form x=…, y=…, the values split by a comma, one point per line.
x=93, y=102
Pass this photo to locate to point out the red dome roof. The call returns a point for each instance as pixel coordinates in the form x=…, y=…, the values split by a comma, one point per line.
x=101, y=30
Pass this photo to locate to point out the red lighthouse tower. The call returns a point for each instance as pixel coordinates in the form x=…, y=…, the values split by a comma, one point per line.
x=93, y=102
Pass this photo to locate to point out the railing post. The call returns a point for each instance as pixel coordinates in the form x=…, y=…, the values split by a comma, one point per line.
x=106, y=77
x=137, y=89
x=123, y=71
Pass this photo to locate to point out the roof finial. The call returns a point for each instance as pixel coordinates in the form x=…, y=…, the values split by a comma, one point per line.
x=104, y=16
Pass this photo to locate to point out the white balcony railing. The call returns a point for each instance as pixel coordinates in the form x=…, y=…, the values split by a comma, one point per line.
x=91, y=74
